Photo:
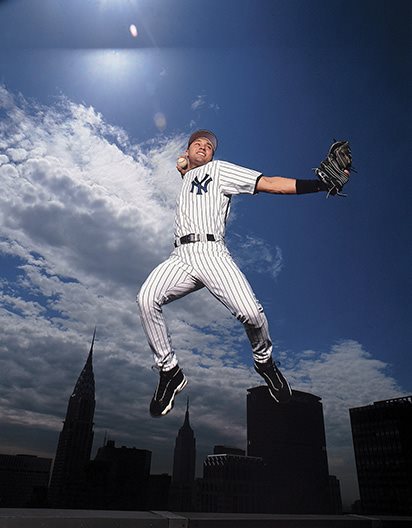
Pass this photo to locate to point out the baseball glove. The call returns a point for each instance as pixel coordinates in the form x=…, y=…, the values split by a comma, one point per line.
x=331, y=171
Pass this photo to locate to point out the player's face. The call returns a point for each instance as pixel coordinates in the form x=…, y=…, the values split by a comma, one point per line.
x=200, y=152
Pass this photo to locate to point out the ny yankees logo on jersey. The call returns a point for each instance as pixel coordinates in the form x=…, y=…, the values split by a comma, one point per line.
x=201, y=185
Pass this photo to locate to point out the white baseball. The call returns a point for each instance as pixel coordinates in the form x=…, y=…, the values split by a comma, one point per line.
x=182, y=162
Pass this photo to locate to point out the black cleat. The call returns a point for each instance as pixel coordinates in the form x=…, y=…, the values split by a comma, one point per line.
x=171, y=382
x=279, y=387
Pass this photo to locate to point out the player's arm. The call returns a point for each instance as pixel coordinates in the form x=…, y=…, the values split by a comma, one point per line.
x=281, y=185
x=333, y=173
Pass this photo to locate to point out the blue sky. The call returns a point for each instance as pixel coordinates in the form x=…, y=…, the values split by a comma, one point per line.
x=92, y=121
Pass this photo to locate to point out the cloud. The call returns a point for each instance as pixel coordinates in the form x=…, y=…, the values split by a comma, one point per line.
x=253, y=253
x=201, y=103
x=198, y=103
x=346, y=376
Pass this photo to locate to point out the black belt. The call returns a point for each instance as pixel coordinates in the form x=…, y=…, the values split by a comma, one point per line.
x=192, y=237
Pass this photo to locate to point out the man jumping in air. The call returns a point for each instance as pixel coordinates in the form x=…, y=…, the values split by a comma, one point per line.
x=201, y=259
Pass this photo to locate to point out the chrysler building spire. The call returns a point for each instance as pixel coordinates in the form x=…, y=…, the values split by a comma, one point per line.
x=75, y=441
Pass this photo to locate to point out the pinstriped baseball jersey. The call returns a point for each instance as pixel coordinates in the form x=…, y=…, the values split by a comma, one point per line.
x=202, y=208
x=204, y=202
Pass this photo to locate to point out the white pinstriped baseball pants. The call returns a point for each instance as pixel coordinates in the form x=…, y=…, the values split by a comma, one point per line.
x=189, y=268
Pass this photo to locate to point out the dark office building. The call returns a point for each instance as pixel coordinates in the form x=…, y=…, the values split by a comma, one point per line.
x=231, y=484
x=67, y=485
x=23, y=481
x=184, y=464
x=158, y=494
x=118, y=478
x=335, y=495
x=291, y=440
x=382, y=439
x=226, y=450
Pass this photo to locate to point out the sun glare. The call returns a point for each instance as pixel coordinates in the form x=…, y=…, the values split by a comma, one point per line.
x=120, y=3
x=113, y=65
x=133, y=30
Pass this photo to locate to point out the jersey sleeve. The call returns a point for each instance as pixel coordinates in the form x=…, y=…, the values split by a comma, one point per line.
x=234, y=179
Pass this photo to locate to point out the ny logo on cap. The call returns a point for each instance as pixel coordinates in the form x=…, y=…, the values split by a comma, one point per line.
x=201, y=185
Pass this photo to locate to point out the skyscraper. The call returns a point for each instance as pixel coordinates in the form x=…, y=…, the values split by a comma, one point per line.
x=290, y=438
x=184, y=464
x=23, y=481
x=184, y=460
x=118, y=478
x=232, y=483
x=67, y=483
x=382, y=439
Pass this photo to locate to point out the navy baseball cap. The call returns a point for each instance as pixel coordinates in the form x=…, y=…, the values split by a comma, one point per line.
x=206, y=134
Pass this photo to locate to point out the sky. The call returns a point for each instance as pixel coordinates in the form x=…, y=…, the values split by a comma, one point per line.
x=92, y=120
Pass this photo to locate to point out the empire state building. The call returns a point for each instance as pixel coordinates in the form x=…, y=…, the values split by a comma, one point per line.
x=184, y=462
x=75, y=442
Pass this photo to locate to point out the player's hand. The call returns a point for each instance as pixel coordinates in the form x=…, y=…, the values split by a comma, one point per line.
x=182, y=164
x=182, y=171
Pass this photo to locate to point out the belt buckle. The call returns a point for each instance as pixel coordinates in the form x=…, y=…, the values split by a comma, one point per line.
x=193, y=238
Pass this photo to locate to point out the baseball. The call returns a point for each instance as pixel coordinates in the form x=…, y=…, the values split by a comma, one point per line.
x=182, y=162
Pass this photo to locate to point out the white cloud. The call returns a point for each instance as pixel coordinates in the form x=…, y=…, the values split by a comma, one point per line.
x=253, y=253
x=18, y=154
x=198, y=103
x=346, y=376
x=201, y=103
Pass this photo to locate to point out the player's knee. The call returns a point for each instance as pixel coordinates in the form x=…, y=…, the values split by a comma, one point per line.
x=147, y=299
x=252, y=318
x=144, y=300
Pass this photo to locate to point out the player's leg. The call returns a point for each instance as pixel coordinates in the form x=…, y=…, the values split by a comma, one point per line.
x=167, y=282
x=227, y=283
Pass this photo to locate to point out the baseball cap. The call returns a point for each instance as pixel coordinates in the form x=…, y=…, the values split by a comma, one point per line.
x=206, y=134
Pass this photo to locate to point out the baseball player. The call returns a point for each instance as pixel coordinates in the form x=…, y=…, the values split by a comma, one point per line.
x=201, y=259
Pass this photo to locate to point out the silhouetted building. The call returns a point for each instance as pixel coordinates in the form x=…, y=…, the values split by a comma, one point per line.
x=184, y=460
x=158, y=495
x=23, y=481
x=290, y=438
x=231, y=484
x=335, y=495
x=225, y=450
x=118, y=478
x=184, y=464
x=382, y=439
x=67, y=484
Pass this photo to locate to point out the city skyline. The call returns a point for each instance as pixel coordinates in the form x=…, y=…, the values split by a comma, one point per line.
x=120, y=478
x=84, y=390
x=92, y=119
x=164, y=464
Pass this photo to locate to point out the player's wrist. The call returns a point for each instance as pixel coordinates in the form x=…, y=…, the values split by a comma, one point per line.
x=309, y=186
